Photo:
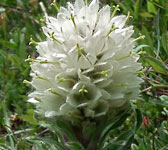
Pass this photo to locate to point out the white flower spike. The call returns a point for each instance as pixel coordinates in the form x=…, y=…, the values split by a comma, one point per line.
x=85, y=68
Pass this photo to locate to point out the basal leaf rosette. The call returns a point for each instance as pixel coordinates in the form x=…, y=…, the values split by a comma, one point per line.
x=86, y=68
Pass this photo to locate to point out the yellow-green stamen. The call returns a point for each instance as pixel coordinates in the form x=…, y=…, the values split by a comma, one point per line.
x=116, y=8
x=83, y=90
x=33, y=42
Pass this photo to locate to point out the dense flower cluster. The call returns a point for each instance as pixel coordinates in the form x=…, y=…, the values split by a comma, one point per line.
x=86, y=67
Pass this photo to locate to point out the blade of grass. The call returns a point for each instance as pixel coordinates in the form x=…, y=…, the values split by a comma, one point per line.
x=157, y=32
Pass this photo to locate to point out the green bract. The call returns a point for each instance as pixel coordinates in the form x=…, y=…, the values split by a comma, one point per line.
x=86, y=67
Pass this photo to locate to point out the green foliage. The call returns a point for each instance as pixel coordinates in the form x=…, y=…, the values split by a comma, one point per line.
x=157, y=65
x=20, y=129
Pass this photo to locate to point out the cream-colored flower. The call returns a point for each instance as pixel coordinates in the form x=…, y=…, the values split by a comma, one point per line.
x=86, y=67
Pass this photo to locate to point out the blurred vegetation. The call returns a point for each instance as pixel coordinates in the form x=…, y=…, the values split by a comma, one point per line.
x=22, y=20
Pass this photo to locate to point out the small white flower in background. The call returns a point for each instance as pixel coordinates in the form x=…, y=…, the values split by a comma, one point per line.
x=86, y=67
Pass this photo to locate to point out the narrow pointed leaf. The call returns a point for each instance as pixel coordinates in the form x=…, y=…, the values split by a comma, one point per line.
x=157, y=65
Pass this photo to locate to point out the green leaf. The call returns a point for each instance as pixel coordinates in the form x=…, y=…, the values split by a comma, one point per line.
x=125, y=138
x=122, y=142
x=146, y=14
x=164, y=100
x=157, y=102
x=89, y=129
x=157, y=65
x=22, y=48
x=134, y=147
x=30, y=112
x=113, y=146
x=29, y=119
x=148, y=39
x=164, y=135
x=67, y=130
x=136, y=8
x=75, y=146
x=165, y=42
x=20, y=132
x=157, y=27
x=140, y=47
x=138, y=119
x=15, y=60
x=130, y=136
x=8, y=44
x=121, y=119
x=46, y=142
x=115, y=124
x=151, y=8
x=4, y=147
